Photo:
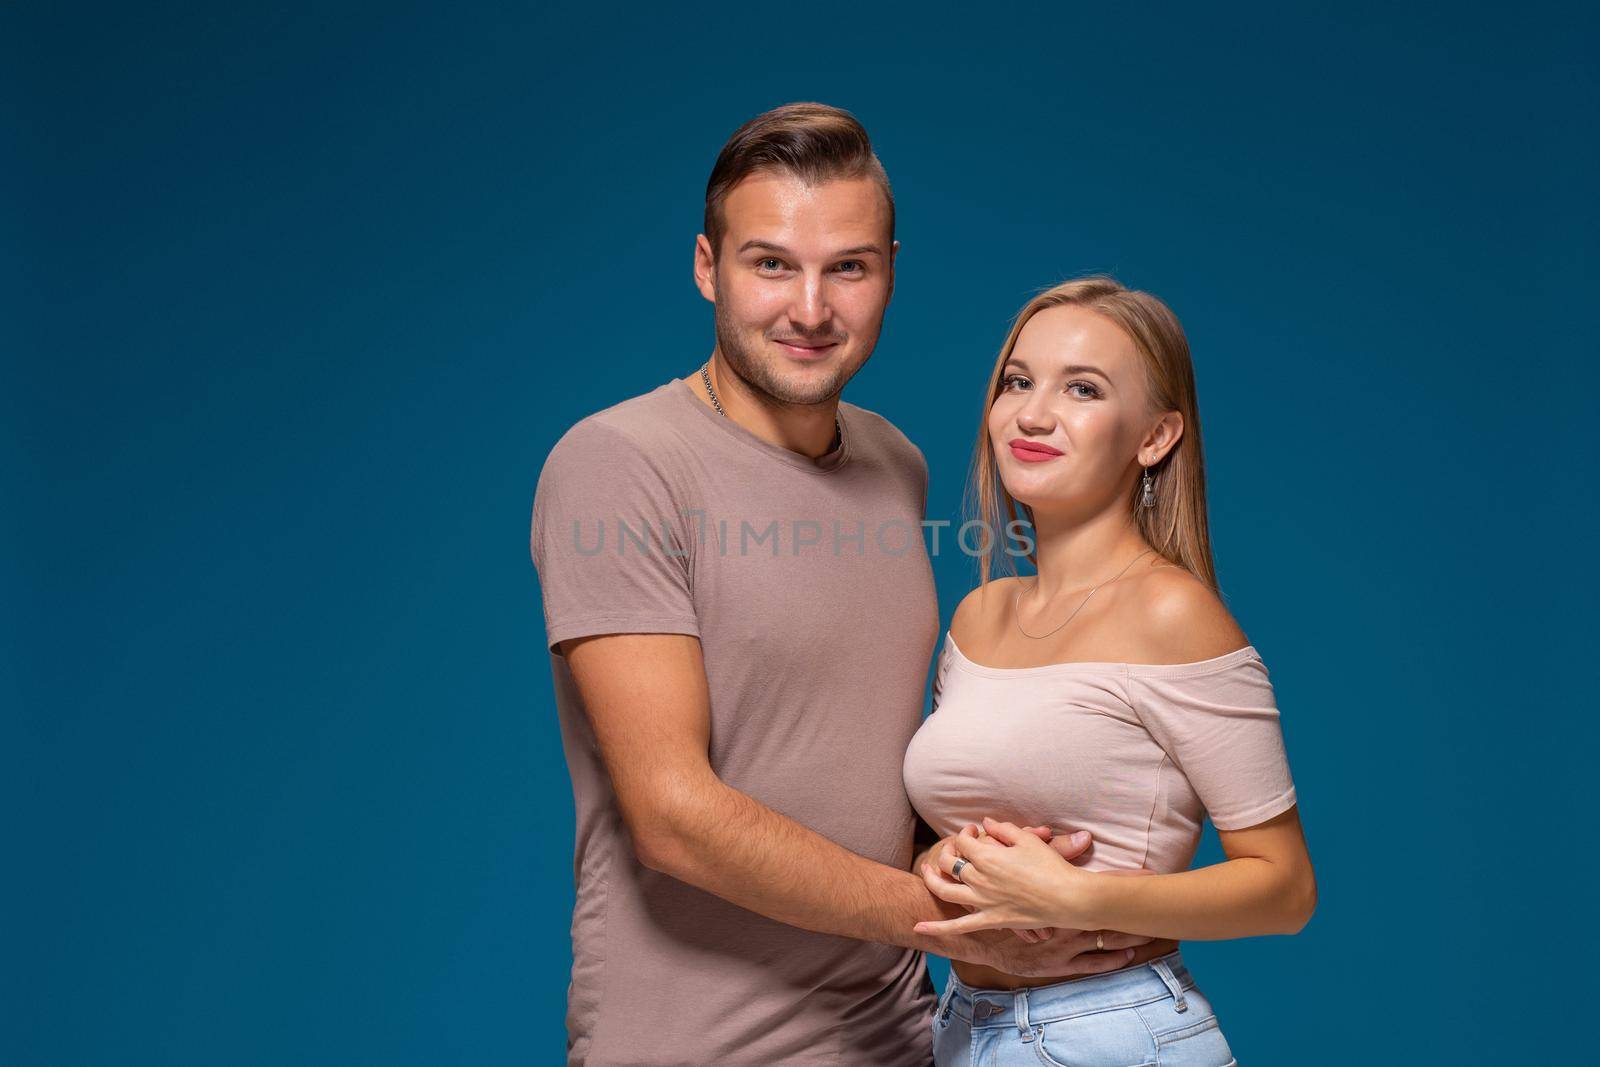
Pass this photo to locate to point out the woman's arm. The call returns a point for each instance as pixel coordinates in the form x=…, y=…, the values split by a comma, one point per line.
x=1266, y=886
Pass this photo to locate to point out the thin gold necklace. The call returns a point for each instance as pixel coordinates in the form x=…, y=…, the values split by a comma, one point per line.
x=1016, y=614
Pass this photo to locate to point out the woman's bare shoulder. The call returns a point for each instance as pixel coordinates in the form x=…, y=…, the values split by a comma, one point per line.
x=978, y=611
x=1181, y=619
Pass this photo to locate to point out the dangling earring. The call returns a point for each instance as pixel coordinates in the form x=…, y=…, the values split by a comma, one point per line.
x=1147, y=492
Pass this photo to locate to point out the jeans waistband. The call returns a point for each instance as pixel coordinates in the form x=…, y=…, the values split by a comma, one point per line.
x=1164, y=976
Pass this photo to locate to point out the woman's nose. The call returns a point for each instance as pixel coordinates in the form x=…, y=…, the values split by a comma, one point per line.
x=1035, y=414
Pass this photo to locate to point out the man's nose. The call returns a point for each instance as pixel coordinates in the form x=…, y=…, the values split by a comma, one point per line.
x=810, y=310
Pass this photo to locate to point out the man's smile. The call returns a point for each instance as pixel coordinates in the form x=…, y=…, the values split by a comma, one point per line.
x=807, y=350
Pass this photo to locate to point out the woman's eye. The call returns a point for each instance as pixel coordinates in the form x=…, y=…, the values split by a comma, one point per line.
x=1081, y=389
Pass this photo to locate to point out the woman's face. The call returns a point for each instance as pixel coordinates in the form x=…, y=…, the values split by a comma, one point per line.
x=1073, y=420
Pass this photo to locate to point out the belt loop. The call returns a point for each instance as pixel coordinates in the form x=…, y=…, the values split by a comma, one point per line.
x=1019, y=1005
x=1164, y=969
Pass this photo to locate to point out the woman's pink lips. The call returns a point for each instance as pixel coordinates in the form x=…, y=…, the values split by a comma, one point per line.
x=1031, y=454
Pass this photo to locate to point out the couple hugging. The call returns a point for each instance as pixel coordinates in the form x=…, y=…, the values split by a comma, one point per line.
x=741, y=616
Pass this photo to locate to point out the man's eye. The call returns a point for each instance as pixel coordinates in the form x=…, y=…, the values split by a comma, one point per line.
x=852, y=266
x=770, y=264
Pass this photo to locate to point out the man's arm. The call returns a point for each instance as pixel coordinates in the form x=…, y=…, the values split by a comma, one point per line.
x=647, y=701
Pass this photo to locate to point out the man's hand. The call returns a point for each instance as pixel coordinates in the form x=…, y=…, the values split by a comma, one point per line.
x=1069, y=954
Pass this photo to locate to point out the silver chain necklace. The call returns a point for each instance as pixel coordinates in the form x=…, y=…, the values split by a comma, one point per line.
x=1039, y=637
x=705, y=376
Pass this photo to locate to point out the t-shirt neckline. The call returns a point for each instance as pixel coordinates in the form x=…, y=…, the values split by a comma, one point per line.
x=829, y=463
x=1165, y=670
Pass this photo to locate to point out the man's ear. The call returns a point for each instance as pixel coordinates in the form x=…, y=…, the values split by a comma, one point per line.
x=894, y=249
x=705, y=268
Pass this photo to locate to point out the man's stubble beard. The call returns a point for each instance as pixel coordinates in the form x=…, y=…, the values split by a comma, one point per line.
x=755, y=369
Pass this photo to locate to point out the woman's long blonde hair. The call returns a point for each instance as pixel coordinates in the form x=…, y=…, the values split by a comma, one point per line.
x=1176, y=527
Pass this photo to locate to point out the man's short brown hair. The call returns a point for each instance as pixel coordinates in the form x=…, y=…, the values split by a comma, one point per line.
x=814, y=142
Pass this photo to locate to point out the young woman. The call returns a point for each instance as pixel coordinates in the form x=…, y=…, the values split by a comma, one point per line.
x=1111, y=693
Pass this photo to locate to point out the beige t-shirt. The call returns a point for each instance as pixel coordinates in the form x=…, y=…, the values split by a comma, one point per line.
x=809, y=586
x=1137, y=753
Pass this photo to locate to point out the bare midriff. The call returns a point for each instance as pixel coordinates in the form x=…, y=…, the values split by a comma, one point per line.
x=980, y=977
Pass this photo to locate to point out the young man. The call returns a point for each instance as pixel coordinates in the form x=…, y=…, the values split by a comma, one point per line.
x=741, y=615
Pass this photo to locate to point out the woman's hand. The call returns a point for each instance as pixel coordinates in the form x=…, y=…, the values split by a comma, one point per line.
x=1012, y=879
x=1068, y=847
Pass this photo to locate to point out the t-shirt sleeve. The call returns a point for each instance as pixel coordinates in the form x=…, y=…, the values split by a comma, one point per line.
x=1221, y=728
x=609, y=540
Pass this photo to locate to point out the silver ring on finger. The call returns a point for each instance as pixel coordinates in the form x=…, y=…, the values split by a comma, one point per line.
x=955, y=870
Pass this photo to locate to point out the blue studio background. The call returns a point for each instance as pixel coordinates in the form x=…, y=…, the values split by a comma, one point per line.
x=296, y=300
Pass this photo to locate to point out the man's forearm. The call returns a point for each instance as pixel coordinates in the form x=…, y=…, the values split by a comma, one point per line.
x=729, y=844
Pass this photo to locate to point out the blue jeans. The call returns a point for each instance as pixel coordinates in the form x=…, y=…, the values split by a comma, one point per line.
x=1150, y=1015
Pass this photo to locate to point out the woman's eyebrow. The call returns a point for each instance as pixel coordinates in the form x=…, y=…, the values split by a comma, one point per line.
x=1071, y=368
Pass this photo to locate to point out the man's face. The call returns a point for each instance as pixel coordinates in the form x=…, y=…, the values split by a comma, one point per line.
x=800, y=283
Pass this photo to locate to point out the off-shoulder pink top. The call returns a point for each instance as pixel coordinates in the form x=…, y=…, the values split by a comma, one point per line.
x=1138, y=754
